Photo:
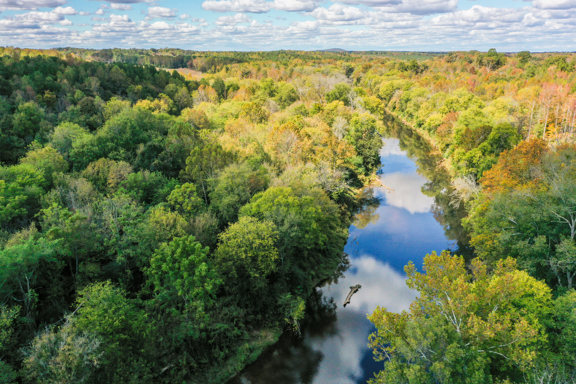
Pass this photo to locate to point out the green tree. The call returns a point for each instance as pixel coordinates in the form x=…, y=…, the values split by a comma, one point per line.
x=462, y=328
x=21, y=268
x=234, y=187
x=339, y=93
x=534, y=221
x=124, y=330
x=61, y=356
x=364, y=137
x=30, y=124
x=21, y=187
x=8, y=318
x=185, y=199
x=184, y=279
x=65, y=135
x=48, y=161
x=204, y=163
x=311, y=237
x=247, y=255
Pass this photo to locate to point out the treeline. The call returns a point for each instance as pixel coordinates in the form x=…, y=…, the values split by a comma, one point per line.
x=158, y=229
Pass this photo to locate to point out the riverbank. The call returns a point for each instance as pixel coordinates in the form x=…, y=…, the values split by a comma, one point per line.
x=446, y=163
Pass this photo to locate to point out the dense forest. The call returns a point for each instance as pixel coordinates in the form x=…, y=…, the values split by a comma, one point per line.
x=163, y=227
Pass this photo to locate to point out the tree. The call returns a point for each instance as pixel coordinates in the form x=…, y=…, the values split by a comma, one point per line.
x=533, y=217
x=523, y=57
x=247, y=255
x=234, y=187
x=20, y=189
x=21, y=267
x=463, y=328
x=61, y=356
x=185, y=199
x=183, y=278
x=204, y=163
x=8, y=317
x=364, y=137
x=30, y=124
x=65, y=135
x=310, y=235
x=124, y=330
x=48, y=161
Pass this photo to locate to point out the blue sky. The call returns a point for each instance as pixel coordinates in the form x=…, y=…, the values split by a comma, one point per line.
x=424, y=25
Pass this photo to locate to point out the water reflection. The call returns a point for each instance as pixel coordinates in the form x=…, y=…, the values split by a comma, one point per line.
x=393, y=228
x=344, y=351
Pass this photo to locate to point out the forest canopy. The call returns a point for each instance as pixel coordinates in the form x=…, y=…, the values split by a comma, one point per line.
x=166, y=214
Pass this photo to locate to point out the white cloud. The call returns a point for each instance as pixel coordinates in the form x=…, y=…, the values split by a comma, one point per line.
x=378, y=24
x=295, y=5
x=252, y=6
x=66, y=22
x=480, y=17
x=233, y=20
x=68, y=11
x=342, y=345
x=161, y=13
x=121, y=7
x=99, y=12
x=407, y=192
x=31, y=20
x=555, y=4
x=29, y=4
x=259, y=6
x=338, y=13
x=421, y=7
x=125, y=1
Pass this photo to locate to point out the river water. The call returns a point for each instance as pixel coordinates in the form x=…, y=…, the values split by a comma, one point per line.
x=397, y=225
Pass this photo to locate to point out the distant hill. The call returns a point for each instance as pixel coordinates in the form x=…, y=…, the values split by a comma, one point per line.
x=333, y=50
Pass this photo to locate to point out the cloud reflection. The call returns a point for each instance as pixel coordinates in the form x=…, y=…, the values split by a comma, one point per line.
x=391, y=147
x=407, y=192
x=343, y=353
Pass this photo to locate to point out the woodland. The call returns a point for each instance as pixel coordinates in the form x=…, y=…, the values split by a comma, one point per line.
x=162, y=225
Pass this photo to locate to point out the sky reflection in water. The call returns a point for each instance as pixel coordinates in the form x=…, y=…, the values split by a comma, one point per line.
x=402, y=229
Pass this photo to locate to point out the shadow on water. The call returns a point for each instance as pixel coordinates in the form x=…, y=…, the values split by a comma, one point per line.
x=390, y=228
x=291, y=360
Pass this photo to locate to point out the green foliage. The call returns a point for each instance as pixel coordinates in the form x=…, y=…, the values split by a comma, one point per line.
x=310, y=239
x=461, y=328
x=48, y=161
x=21, y=270
x=124, y=330
x=185, y=199
x=286, y=95
x=364, y=137
x=64, y=136
x=340, y=92
x=534, y=222
x=234, y=187
x=247, y=255
x=20, y=189
x=204, y=163
x=8, y=316
x=61, y=356
x=184, y=279
x=560, y=63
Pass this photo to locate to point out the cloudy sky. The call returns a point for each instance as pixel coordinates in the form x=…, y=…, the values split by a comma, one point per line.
x=426, y=25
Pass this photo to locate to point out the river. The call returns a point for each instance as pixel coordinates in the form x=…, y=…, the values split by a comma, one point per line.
x=397, y=225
